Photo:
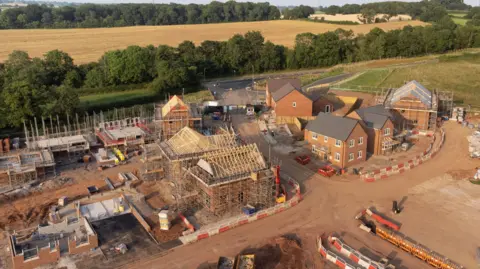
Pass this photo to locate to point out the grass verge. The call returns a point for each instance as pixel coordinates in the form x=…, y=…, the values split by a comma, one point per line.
x=458, y=73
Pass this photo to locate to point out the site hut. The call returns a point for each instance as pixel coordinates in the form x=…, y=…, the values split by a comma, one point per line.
x=231, y=178
x=175, y=114
x=183, y=151
x=127, y=133
x=25, y=167
x=377, y=122
x=338, y=140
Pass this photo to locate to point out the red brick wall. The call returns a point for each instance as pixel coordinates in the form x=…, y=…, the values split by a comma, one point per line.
x=44, y=257
x=284, y=106
x=92, y=243
x=320, y=104
x=344, y=150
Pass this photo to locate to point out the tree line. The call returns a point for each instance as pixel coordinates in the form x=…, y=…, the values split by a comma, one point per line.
x=97, y=15
x=51, y=85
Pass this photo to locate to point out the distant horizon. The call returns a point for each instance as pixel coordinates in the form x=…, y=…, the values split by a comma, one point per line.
x=313, y=3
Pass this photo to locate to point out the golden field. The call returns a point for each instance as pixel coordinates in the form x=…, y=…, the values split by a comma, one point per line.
x=86, y=45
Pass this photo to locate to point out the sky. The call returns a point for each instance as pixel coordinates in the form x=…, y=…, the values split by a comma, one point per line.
x=314, y=3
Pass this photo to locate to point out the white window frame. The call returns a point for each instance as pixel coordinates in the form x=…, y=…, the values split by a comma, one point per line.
x=314, y=136
x=351, y=143
x=294, y=104
x=338, y=143
x=314, y=148
x=337, y=157
x=386, y=131
x=360, y=140
x=360, y=154
x=325, y=139
x=351, y=157
x=328, y=109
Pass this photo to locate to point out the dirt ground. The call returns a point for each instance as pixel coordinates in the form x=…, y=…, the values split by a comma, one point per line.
x=284, y=252
x=30, y=207
x=438, y=211
x=86, y=45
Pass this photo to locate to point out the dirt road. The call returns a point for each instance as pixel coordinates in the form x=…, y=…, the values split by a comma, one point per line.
x=330, y=206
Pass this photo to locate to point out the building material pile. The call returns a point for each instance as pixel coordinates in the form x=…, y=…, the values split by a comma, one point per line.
x=384, y=230
x=474, y=144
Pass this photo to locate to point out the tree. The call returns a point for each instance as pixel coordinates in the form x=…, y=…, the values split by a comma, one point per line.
x=57, y=64
x=367, y=16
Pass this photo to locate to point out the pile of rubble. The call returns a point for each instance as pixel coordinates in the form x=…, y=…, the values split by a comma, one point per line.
x=474, y=144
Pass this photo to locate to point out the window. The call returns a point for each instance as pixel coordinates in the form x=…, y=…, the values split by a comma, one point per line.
x=327, y=109
x=325, y=139
x=386, y=131
x=360, y=140
x=338, y=143
x=360, y=154
x=314, y=136
x=351, y=143
x=337, y=157
x=351, y=156
x=294, y=104
x=314, y=148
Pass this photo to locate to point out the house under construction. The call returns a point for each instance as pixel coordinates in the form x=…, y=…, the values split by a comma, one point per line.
x=128, y=132
x=415, y=107
x=172, y=116
x=214, y=172
x=231, y=178
x=25, y=167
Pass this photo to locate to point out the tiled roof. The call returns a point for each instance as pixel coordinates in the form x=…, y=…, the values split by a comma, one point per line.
x=332, y=126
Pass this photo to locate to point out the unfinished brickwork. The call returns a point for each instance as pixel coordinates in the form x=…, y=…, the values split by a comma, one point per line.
x=232, y=178
x=174, y=115
x=39, y=246
x=21, y=168
x=416, y=108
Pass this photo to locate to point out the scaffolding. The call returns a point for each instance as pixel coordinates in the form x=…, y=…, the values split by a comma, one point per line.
x=231, y=178
x=25, y=167
x=175, y=114
x=75, y=135
x=415, y=107
x=183, y=151
x=152, y=160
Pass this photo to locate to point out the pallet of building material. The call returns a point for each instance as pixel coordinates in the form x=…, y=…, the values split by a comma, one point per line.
x=109, y=184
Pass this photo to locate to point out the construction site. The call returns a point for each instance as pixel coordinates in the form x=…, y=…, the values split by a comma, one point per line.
x=129, y=185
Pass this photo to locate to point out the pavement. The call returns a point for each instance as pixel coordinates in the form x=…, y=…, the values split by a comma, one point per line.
x=329, y=206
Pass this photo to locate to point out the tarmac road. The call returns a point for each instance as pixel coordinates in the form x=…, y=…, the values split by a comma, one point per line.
x=329, y=206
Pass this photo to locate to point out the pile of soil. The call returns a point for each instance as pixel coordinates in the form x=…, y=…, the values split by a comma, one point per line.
x=279, y=253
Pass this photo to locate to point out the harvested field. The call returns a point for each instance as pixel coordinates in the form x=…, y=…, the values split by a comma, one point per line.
x=354, y=17
x=86, y=45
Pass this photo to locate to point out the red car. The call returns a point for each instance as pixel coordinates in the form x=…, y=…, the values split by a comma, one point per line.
x=327, y=171
x=303, y=160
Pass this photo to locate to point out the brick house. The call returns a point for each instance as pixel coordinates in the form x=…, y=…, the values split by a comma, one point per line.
x=341, y=141
x=413, y=106
x=378, y=124
x=286, y=98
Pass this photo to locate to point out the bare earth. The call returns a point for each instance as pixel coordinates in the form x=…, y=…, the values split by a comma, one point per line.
x=86, y=45
x=436, y=212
